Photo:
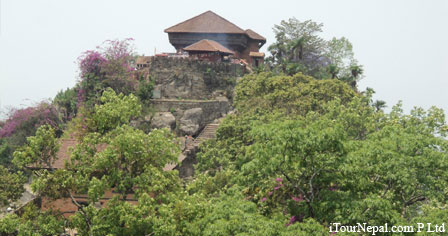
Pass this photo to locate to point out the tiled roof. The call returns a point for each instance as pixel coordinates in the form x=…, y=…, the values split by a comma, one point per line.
x=61, y=156
x=143, y=60
x=207, y=45
x=207, y=22
x=64, y=152
x=256, y=54
x=253, y=35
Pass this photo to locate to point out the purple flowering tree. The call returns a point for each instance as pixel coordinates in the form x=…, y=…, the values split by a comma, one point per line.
x=110, y=65
x=22, y=123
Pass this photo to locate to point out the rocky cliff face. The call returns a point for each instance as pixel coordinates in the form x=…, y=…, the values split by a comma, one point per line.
x=190, y=79
x=190, y=94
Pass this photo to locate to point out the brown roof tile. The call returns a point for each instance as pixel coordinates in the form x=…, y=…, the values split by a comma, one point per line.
x=253, y=35
x=207, y=45
x=207, y=22
x=62, y=155
x=256, y=54
x=143, y=60
x=64, y=152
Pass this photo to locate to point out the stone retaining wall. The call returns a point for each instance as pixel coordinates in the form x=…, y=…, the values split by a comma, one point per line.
x=184, y=78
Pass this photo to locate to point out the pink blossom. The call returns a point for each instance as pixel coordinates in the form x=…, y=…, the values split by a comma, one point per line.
x=297, y=199
x=90, y=62
x=111, y=62
x=279, y=179
x=270, y=193
x=292, y=220
x=28, y=118
x=263, y=199
x=278, y=186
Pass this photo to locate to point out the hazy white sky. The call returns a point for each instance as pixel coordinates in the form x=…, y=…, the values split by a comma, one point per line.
x=403, y=44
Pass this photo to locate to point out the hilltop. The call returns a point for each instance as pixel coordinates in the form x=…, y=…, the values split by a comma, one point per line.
x=178, y=145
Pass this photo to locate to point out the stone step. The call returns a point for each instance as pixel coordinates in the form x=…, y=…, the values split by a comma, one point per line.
x=211, y=127
x=209, y=132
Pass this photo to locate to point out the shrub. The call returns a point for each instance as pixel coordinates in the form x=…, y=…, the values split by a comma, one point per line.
x=67, y=103
x=111, y=65
x=25, y=121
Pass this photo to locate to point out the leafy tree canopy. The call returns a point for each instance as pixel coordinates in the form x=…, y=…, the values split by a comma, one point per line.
x=343, y=160
x=294, y=95
x=22, y=123
x=115, y=110
x=11, y=186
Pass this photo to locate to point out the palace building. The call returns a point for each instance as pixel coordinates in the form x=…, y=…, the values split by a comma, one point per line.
x=210, y=36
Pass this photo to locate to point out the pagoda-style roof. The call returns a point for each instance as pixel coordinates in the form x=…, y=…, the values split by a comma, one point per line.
x=207, y=45
x=253, y=35
x=207, y=22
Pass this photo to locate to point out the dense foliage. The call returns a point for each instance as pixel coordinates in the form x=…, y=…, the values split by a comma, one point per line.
x=111, y=65
x=298, y=154
x=67, y=103
x=22, y=123
x=341, y=160
x=32, y=222
x=11, y=186
x=293, y=95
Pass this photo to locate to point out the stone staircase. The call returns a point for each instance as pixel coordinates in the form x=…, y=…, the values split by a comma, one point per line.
x=209, y=132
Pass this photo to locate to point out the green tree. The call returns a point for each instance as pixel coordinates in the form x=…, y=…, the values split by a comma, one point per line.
x=341, y=56
x=5, y=153
x=115, y=110
x=39, y=151
x=119, y=158
x=130, y=164
x=67, y=102
x=32, y=222
x=298, y=94
x=379, y=105
x=343, y=162
x=298, y=47
x=144, y=91
x=11, y=186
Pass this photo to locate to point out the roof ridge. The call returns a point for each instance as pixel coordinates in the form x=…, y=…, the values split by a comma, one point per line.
x=226, y=20
x=208, y=43
x=254, y=35
x=186, y=20
x=237, y=29
x=211, y=43
x=215, y=46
